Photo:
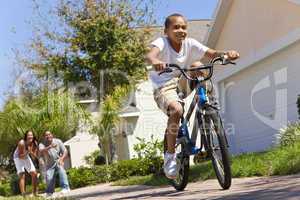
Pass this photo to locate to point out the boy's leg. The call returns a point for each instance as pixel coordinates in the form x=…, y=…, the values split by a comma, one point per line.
x=170, y=165
x=50, y=180
x=63, y=178
x=175, y=112
x=168, y=101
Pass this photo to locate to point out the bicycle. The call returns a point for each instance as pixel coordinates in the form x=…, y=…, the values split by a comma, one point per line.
x=208, y=123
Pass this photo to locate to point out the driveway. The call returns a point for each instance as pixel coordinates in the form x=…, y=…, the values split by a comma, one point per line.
x=256, y=188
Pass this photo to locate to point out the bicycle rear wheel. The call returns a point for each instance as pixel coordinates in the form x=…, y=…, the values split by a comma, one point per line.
x=218, y=149
x=183, y=165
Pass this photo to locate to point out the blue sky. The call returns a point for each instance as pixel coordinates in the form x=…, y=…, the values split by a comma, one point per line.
x=15, y=31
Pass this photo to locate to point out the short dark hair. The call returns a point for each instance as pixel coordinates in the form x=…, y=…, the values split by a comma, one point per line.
x=168, y=19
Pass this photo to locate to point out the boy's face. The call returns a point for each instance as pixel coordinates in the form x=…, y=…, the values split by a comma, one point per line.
x=177, y=30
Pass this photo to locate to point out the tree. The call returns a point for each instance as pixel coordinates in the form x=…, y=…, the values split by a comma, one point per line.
x=99, y=43
x=105, y=125
x=57, y=112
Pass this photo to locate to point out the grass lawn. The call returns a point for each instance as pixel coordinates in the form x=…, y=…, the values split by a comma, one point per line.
x=277, y=161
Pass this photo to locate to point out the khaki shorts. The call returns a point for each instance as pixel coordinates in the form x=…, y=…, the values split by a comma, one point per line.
x=175, y=89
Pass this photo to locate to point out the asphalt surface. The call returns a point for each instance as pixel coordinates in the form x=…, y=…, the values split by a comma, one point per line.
x=256, y=188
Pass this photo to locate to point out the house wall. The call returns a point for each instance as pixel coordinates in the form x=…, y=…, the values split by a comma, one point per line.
x=250, y=25
x=151, y=120
x=262, y=99
x=80, y=149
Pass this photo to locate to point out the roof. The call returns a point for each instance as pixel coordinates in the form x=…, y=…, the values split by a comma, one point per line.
x=221, y=12
x=219, y=17
x=81, y=138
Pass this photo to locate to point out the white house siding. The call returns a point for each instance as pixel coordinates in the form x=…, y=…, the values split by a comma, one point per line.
x=252, y=24
x=80, y=148
x=151, y=120
x=83, y=143
x=250, y=132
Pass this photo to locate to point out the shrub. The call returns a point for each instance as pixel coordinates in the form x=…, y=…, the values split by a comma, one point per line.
x=13, y=183
x=79, y=177
x=290, y=134
x=95, y=158
x=150, y=149
x=150, y=153
x=298, y=105
x=5, y=189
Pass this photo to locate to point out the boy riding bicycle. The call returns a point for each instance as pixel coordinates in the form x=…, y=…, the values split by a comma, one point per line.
x=175, y=48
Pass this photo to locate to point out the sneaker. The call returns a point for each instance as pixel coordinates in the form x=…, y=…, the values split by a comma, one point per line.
x=65, y=191
x=49, y=195
x=170, y=165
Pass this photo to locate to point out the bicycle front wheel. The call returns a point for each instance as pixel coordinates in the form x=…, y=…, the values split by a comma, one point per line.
x=218, y=149
x=183, y=165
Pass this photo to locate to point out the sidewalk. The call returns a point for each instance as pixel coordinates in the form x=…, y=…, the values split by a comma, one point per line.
x=258, y=188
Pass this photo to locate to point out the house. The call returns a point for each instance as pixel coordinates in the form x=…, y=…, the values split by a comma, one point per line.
x=258, y=95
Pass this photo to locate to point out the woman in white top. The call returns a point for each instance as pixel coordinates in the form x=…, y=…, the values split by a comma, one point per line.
x=26, y=147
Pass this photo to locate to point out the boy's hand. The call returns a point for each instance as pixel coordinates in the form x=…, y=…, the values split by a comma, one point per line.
x=232, y=55
x=158, y=65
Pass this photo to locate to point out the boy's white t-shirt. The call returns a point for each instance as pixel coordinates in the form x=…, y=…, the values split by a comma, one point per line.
x=190, y=52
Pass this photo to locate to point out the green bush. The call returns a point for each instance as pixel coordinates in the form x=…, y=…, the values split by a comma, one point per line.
x=5, y=189
x=79, y=177
x=95, y=158
x=289, y=135
x=150, y=152
x=148, y=149
x=13, y=184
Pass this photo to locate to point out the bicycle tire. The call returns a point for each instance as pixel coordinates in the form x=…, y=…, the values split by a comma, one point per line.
x=183, y=165
x=216, y=133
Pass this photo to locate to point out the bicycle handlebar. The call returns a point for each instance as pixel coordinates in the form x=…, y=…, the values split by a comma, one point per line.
x=172, y=67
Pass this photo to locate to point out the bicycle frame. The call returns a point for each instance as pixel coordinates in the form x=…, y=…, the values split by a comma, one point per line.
x=200, y=100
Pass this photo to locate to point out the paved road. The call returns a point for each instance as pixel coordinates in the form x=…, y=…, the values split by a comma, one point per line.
x=262, y=188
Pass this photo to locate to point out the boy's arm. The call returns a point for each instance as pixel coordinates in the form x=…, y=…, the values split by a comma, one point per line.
x=232, y=55
x=151, y=58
